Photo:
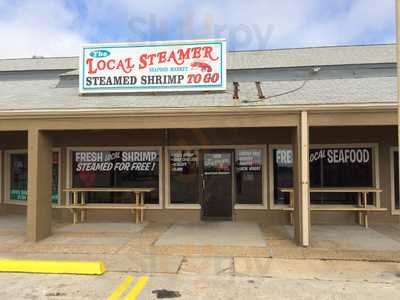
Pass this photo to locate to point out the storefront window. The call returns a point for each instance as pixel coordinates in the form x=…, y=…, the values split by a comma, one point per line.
x=329, y=167
x=248, y=164
x=340, y=167
x=396, y=179
x=55, y=176
x=108, y=169
x=283, y=174
x=19, y=177
x=184, y=176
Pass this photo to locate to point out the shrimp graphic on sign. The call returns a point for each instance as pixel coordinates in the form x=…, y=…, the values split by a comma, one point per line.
x=203, y=66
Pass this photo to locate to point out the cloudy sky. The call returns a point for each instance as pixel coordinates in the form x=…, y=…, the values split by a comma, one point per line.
x=59, y=27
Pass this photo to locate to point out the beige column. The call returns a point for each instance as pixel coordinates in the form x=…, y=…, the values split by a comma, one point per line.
x=300, y=143
x=39, y=185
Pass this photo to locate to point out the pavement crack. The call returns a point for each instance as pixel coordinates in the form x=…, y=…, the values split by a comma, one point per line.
x=184, y=259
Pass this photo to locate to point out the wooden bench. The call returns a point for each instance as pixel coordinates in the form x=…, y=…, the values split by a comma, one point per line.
x=362, y=208
x=78, y=204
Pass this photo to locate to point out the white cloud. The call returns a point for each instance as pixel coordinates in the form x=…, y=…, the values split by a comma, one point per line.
x=304, y=23
x=363, y=21
x=43, y=28
x=51, y=28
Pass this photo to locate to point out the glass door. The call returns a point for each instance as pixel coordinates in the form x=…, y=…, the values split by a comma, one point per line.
x=216, y=182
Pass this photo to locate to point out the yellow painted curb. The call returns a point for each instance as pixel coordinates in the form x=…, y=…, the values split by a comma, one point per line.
x=53, y=267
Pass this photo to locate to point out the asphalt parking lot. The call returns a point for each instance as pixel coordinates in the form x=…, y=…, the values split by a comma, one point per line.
x=189, y=286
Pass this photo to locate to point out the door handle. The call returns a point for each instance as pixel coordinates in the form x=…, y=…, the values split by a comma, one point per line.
x=203, y=184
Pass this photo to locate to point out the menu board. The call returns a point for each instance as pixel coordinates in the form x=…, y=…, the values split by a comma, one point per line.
x=182, y=161
x=248, y=161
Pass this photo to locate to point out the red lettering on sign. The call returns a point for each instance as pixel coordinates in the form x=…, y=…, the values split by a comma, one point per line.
x=162, y=57
x=196, y=52
x=208, y=53
x=183, y=54
x=89, y=62
x=178, y=56
x=126, y=65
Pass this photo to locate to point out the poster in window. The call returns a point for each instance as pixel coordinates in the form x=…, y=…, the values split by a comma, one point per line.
x=19, y=177
x=217, y=163
x=54, y=184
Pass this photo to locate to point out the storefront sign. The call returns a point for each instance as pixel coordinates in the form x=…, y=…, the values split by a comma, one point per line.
x=284, y=157
x=153, y=66
x=341, y=156
x=112, y=169
x=97, y=161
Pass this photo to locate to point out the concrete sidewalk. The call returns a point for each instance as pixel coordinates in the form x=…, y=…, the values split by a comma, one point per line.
x=237, y=261
x=216, y=239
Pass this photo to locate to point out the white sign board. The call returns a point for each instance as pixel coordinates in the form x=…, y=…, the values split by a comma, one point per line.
x=153, y=67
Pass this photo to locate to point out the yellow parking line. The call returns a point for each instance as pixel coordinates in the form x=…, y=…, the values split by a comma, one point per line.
x=140, y=284
x=121, y=288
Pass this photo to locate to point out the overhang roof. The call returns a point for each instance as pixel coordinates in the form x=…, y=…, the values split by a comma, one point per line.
x=45, y=95
x=51, y=83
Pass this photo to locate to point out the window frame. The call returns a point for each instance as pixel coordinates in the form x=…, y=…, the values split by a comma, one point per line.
x=375, y=169
x=119, y=148
x=264, y=181
x=394, y=211
x=7, y=176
